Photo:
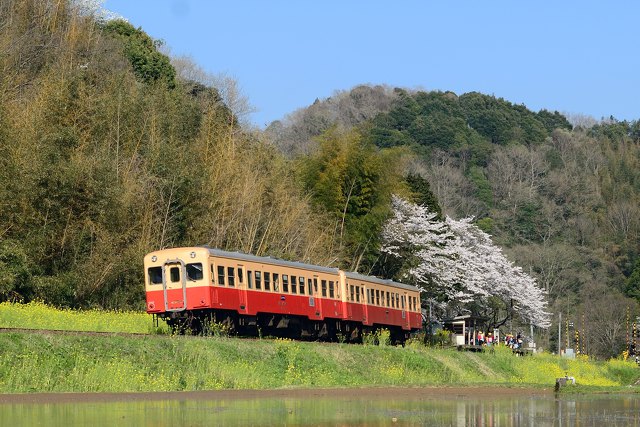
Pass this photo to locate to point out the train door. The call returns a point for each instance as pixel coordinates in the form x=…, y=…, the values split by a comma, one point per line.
x=175, y=285
x=406, y=319
x=242, y=287
x=315, y=300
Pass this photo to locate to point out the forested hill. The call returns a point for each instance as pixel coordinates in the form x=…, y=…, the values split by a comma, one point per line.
x=563, y=201
x=110, y=149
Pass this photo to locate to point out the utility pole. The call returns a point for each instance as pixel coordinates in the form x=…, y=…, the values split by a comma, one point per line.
x=560, y=334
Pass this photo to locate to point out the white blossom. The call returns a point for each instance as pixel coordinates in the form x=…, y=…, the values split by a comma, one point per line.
x=460, y=261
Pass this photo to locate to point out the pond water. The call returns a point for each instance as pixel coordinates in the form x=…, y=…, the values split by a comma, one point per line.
x=343, y=410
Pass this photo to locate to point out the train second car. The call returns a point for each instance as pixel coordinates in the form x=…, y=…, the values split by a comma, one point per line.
x=192, y=287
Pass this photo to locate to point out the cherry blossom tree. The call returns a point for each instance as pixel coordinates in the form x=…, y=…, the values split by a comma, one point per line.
x=456, y=263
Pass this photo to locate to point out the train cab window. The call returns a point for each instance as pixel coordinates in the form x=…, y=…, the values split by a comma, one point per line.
x=294, y=285
x=324, y=287
x=250, y=279
x=194, y=271
x=276, y=282
x=155, y=275
x=267, y=281
x=377, y=297
x=220, y=275
x=331, y=289
x=175, y=274
x=301, y=283
x=240, y=276
x=352, y=293
x=258, y=280
x=285, y=283
x=232, y=276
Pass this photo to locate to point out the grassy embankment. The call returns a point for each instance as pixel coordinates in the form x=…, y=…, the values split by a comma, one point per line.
x=67, y=363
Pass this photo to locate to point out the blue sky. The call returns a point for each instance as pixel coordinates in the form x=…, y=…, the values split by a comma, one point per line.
x=573, y=56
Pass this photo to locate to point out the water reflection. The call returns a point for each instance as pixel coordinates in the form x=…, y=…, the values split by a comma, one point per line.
x=546, y=410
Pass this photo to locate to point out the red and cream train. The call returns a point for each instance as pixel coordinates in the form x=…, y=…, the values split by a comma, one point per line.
x=190, y=286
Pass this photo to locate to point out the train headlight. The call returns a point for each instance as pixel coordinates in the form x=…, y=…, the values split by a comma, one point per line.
x=192, y=254
x=154, y=258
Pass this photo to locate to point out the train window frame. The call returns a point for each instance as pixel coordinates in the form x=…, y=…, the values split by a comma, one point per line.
x=258, y=277
x=294, y=284
x=267, y=281
x=193, y=268
x=352, y=293
x=402, y=301
x=301, y=281
x=323, y=287
x=332, y=289
x=231, y=277
x=285, y=283
x=377, y=296
x=393, y=300
x=174, y=274
x=276, y=282
x=358, y=293
x=240, y=275
x=249, y=279
x=310, y=284
x=388, y=299
x=154, y=274
x=221, y=275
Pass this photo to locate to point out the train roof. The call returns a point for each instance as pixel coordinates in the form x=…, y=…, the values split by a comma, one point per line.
x=272, y=261
x=311, y=267
x=373, y=279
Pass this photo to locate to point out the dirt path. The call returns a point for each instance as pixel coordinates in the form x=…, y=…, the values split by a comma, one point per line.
x=367, y=393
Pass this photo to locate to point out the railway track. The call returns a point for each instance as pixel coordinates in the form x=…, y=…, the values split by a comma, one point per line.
x=68, y=332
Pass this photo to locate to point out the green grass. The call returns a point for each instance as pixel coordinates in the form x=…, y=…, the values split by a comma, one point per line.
x=41, y=362
x=71, y=363
x=36, y=315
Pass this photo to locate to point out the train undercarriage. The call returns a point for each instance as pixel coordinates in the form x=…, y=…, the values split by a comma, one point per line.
x=227, y=322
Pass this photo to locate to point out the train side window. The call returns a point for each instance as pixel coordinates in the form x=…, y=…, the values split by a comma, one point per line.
x=397, y=301
x=393, y=301
x=324, y=287
x=232, y=276
x=357, y=293
x=285, y=283
x=220, y=275
x=315, y=283
x=194, y=271
x=213, y=275
x=155, y=275
x=377, y=296
x=352, y=293
x=410, y=304
x=267, y=281
x=240, y=276
x=402, y=301
x=276, y=282
x=175, y=274
x=331, y=289
x=301, y=283
x=415, y=304
x=388, y=300
x=294, y=285
x=258, y=280
x=250, y=279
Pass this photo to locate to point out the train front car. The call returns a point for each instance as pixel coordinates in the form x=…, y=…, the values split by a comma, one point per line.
x=177, y=283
